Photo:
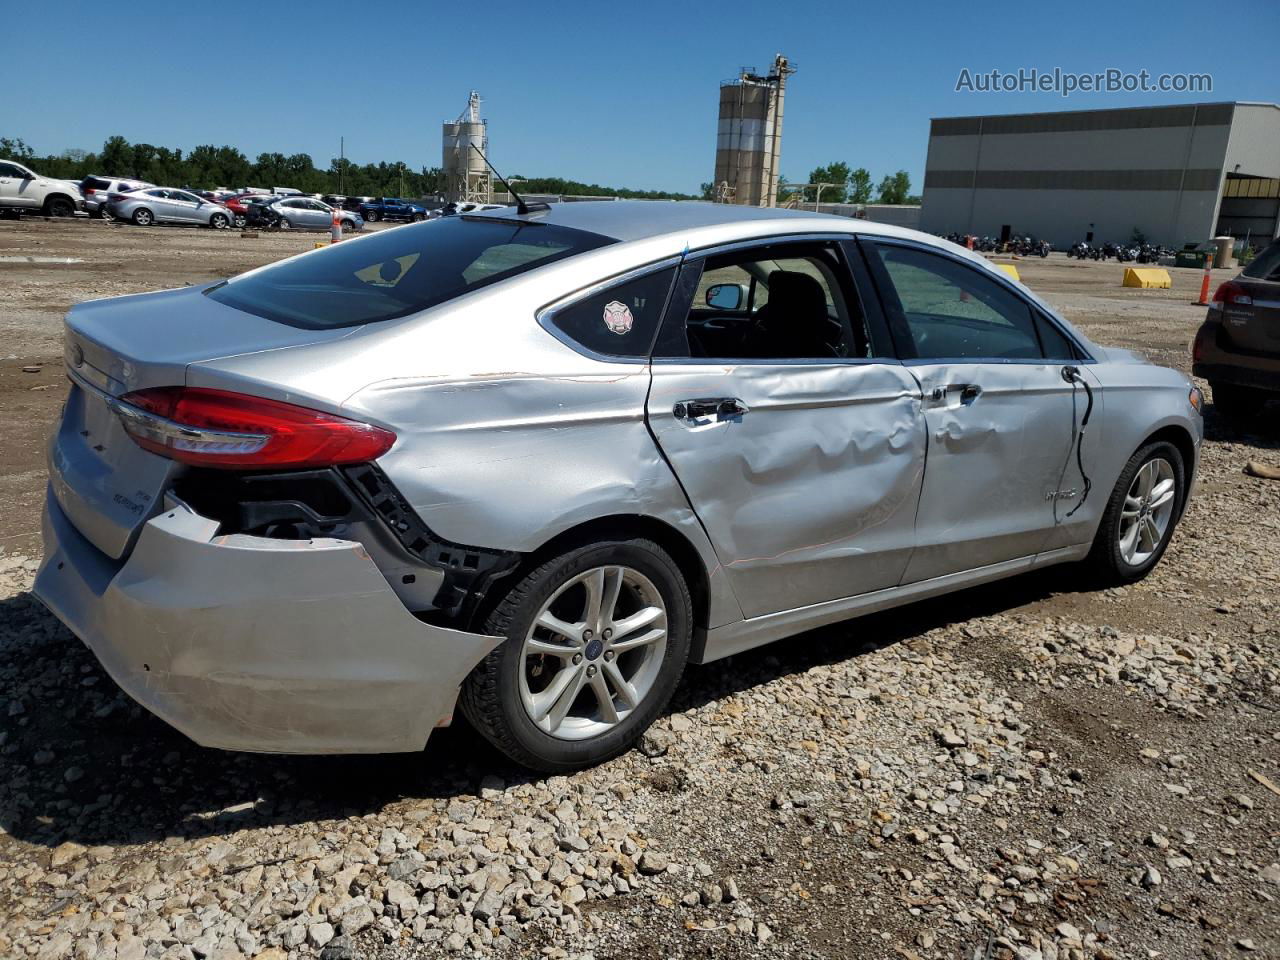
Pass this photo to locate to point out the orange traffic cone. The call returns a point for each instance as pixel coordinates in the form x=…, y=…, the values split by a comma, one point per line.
x=335, y=230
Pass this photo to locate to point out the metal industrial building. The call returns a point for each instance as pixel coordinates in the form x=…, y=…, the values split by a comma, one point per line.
x=1177, y=174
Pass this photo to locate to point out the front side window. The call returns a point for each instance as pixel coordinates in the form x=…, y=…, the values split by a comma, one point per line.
x=619, y=321
x=398, y=272
x=780, y=302
x=9, y=170
x=952, y=311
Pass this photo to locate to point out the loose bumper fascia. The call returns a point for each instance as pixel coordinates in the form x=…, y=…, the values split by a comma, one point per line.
x=249, y=643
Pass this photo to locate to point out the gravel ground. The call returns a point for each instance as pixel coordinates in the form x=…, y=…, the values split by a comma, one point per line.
x=1033, y=769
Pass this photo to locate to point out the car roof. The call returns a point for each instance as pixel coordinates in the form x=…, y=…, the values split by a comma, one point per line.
x=626, y=220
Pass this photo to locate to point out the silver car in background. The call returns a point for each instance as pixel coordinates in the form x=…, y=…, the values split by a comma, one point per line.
x=97, y=192
x=533, y=461
x=154, y=205
x=304, y=213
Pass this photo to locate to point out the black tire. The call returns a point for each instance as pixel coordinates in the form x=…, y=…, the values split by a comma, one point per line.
x=373, y=216
x=283, y=223
x=1236, y=402
x=219, y=221
x=239, y=221
x=490, y=696
x=103, y=214
x=419, y=217
x=143, y=217
x=348, y=225
x=59, y=207
x=1105, y=561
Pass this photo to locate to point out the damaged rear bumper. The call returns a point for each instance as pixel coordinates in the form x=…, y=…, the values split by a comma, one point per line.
x=249, y=643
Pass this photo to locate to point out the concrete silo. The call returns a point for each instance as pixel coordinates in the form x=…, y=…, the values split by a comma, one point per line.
x=465, y=173
x=749, y=138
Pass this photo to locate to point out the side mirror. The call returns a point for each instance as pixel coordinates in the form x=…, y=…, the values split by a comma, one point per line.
x=726, y=296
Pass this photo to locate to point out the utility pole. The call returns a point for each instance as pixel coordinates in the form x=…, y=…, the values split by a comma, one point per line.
x=402, y=178
x=342, y=164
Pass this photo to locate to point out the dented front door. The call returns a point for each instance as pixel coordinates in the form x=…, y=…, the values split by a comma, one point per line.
x=999, y=438
x=805, y=475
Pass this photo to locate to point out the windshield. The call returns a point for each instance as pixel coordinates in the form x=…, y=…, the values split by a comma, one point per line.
x=401, y=271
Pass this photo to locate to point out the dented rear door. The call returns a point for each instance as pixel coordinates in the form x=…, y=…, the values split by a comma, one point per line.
x=805, y=473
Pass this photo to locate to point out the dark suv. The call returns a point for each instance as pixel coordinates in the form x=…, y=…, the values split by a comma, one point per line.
x=1237, y=348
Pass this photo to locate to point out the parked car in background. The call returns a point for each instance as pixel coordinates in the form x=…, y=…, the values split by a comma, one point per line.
x=24, y=190
x=303, y=213
x=335, y=200
x=730, y=425
x=1237, y=348
x=354, y=203
x=236, y=206
x=97, y=191
x=153, y=205
x=391, y=208
x=256, y=212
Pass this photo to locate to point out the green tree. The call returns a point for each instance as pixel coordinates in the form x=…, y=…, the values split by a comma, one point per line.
x=860, y=186
x=16, y=149
x=837, y=175
x=895, y=188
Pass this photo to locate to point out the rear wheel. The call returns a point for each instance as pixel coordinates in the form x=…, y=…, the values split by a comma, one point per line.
x=373, y=216
x=1140, y=516
x=240, y=221
x=596, y=641
x=418, y=217
x=103, y=213
x=59, y=207
x=1236, y=402
x=143, y=217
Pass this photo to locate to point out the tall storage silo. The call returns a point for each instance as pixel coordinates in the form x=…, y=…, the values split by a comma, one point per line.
x=749, y=136
x=465, y=173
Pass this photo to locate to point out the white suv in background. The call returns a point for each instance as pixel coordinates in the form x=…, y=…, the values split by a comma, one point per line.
x=23, y=189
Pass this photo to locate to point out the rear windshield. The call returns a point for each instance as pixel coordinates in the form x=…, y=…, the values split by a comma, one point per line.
x=399, y=271
x=95, y=183
x=1265, y=266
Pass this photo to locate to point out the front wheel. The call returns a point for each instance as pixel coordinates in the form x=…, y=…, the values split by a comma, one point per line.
x=143, y=217
x=1140, y=516
x=596, y=641
x=59, y=207
x=283, y=223
x=219, y=221
x=240, y=221
x=373, y=216
x=419, y=217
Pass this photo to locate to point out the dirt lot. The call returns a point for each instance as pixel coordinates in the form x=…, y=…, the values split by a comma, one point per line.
x=1032, y=769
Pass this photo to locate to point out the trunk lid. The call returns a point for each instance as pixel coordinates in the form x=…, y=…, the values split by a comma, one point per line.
x=1254, y=327
x=105, y=483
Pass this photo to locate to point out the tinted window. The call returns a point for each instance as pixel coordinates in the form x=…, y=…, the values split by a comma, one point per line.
x=953, y=311
x=1056, y=344
x=787, y=302
x=621, y=320
x=95, y=183
x=9, y=170
x=398, y=272
x=1265, y=266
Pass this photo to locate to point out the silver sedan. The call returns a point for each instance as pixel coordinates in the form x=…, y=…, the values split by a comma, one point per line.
x=154, y=205
x=533, y=462
x=305, y=213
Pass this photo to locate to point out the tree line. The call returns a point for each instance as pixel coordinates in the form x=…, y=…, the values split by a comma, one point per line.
x=207, y=167
x=840, y=184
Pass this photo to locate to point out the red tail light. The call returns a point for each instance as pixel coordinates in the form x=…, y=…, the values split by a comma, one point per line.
x=1233, y=293
x=216, y=428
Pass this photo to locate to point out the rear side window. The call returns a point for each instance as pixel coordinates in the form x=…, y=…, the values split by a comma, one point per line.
x=95, y=183
x=619, y=321
x=397, y=272
x=1265, y=266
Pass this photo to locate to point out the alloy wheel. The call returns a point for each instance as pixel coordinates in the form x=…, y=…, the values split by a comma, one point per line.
x=593, y=653
x=1147, y=511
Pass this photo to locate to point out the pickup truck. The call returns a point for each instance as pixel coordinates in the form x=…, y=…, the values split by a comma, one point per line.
x=391, y=208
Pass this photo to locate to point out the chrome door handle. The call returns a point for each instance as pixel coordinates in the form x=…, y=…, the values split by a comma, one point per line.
x=702, y=409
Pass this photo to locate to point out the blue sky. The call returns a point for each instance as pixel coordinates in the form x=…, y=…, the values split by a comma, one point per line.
x=621, y=94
